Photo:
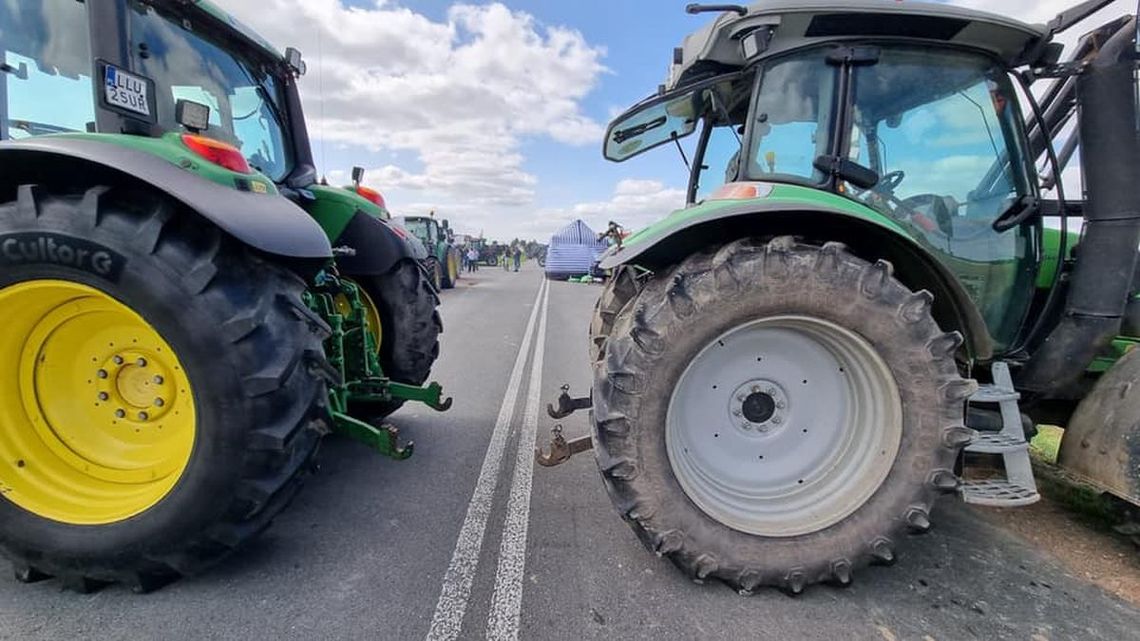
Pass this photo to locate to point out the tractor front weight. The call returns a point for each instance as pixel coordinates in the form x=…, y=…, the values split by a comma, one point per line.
x=353, y=353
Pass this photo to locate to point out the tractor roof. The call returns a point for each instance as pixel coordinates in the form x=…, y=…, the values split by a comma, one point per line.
x=800, y=23
x=249, y=34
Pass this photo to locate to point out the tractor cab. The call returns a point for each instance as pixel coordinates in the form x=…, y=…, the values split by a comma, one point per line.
x=190, y=75
x=913, y=115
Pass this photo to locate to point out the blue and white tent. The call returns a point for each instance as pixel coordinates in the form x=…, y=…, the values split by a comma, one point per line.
x=573, y=251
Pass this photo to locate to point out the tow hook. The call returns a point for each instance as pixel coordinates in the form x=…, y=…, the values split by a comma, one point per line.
x=567, y=404
x=561, y=450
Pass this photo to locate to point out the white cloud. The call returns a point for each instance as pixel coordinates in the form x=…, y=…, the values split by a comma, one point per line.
x=635, y=204
x=459, y=94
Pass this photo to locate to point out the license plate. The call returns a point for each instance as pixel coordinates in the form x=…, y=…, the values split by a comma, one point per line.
x=126, y=91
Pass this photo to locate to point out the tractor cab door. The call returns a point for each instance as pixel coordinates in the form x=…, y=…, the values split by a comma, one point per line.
x=45, y=76
x=944, y=132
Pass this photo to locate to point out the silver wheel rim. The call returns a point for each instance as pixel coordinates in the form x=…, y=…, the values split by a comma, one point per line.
x=784, y=426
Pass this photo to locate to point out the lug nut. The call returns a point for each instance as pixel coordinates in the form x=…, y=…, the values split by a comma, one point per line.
x=143, y=416
x=755, y=389
x=747, y=426
x=771, y=391
x=158, y=380
x=141, y=362
x=104, y=396
x=777, y=420
x=118, y=360
x=101, y=373
x=780, y=404
x=120, y=413
x=158, y=402
x=741, y=397
x=736, y=412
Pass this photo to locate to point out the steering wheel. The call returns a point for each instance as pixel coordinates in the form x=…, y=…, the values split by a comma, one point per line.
x=890, y=182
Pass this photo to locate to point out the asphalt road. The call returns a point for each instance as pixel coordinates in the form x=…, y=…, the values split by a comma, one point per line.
x=467, y=540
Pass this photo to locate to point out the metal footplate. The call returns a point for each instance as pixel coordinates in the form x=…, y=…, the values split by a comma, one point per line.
x=1018, y=488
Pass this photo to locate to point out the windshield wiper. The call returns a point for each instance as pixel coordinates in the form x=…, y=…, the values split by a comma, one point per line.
x=623, y=135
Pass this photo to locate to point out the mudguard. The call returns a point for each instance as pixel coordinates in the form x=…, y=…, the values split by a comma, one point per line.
x=267, y=222
x=376, y=245
x=358, y=225
x=868, y=235
x=1102, y=440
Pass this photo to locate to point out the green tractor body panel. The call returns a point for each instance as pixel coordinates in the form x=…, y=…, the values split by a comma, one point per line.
x=333, y=208
x=171, y=149
x=774, y=197
x=1050, y=247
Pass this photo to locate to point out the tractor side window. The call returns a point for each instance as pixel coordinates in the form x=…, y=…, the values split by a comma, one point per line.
x=45, y=85
x=936, y=127
x=792, y=118
x=720, y=159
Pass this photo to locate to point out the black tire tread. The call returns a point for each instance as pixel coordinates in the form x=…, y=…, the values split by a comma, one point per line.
x=258, y=303
x=409, y=312
x=630, y=333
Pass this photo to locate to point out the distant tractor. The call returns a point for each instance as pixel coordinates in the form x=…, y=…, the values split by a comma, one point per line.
x=862, y=286
x=444, y=260
x=186, y=310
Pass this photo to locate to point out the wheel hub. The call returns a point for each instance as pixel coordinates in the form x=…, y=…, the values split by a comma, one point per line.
x=759, y=406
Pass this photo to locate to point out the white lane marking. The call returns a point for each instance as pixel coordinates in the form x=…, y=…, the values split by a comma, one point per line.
x=506, y=603
x=447, y=622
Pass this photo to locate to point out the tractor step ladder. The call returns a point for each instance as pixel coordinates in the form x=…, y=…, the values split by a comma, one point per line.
x=1018, y=488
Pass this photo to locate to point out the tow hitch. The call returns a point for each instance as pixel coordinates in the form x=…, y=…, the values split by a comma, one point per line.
x=567, y=404
x=561, y=450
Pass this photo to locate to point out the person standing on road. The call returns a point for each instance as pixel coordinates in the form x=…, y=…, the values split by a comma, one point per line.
x=517, y=257
x=472, y=260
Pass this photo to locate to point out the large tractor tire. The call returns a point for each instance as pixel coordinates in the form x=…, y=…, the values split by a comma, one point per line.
x=410, y=323
x=162, y=395
x=450, y=272
x=774, y=414
x=1101, y=443
x=435, y=271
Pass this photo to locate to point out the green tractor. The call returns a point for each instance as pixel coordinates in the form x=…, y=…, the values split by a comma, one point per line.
x=186, y=311
x=863, y=284
x=444, y=261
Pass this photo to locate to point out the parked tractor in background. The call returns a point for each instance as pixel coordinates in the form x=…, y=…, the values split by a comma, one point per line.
x=444, y=260
x=186, y=310
x=786, y=371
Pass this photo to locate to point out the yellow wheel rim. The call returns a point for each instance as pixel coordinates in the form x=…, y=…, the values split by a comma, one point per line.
x=371, y=313
x=97, y=416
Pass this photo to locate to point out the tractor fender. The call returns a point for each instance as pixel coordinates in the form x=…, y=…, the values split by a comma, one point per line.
x=915, y=266
x=1101, y=444
x=267, y=222
x=376, y=246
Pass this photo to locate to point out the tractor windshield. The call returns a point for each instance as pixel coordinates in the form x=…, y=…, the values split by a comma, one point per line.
x=243, y=94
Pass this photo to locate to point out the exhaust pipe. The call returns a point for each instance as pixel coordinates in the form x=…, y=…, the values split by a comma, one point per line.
x=1101, y=284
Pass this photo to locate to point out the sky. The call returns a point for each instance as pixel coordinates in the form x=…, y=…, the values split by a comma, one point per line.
x=492, y=113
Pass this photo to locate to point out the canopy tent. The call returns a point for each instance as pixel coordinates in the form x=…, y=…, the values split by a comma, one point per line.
x=574, y=250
